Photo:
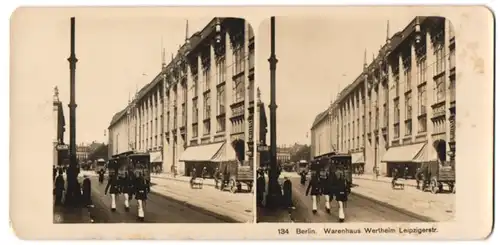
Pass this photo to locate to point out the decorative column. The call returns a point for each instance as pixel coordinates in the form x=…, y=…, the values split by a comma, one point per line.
x=414, y=93
x=189, y=103
x=401, y=95
x=246, y=85
x=213, y=92
x=446, y=48
x=228, y=91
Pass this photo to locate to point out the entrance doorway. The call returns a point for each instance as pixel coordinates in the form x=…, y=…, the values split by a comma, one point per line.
x=239, y=148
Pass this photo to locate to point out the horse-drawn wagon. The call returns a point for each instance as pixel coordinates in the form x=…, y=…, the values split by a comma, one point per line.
x=437, y=172
x=238, y=174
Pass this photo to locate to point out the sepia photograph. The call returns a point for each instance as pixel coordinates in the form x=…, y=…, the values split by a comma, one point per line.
x=360, y=124
x=163, y=131
x=226, y=123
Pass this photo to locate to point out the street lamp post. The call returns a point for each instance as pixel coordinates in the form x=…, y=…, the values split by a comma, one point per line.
x=72, y=181
x=274, y=189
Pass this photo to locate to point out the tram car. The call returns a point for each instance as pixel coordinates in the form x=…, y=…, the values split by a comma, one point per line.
x=138, y=163
x=100, y=165
x=333, y=161
x=302, y=166
x=112, y=166
x=345, y=161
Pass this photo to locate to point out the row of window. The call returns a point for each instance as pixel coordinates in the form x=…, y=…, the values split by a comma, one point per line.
x=421, y=107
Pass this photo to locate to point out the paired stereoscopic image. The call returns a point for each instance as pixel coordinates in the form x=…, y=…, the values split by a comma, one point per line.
x=163, y=131
x=349, y=121
x=357, y=120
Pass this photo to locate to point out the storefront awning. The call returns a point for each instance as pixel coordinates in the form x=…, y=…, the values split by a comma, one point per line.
x=405, y=153
x=201, y=153
x=427, y=154
x=223, y=155
x=155, y=156
x=358, y=157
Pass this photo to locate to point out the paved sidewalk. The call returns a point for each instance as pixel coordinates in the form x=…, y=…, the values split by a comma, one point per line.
x=207, y=181
x=273, y=216
x=62, y=214
x=167, y=176
x=71, y=215
x=237, y=207
x=408, y=182
x=436, y=207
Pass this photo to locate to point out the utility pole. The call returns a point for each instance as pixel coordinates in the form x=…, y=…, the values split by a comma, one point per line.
x=274, y=189
x=72, y=172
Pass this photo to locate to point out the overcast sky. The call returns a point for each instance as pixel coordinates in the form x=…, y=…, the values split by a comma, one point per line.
x=316, y=57
x=114, y=50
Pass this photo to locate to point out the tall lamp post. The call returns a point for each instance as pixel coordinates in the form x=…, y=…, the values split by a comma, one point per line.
x=72, y=172
x=274, y=189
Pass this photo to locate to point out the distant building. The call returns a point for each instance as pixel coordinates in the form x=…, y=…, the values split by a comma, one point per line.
x=399, y=106
x=82, y=152
x=199, y=109
x=283, y=154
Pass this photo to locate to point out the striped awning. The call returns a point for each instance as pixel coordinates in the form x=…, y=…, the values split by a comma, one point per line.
x=201, y=153
x=404, y=153
x=223, y=155
x=427, y=154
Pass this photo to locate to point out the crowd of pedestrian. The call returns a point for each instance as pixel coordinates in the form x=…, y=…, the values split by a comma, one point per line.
x=81, y=194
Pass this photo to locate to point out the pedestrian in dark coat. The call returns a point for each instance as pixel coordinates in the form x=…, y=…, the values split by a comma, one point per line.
x=217, y=177
x=204, y=172
x=59, y=188
x=54, y=173
x=114, y=189
x=261, y=188
x=86, y=191
x=287, y=193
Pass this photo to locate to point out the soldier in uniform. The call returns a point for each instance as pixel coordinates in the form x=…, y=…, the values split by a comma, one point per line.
x=341, y=188
x=128, y=188
x=141, y=188
x=114, y=189
x=315, y=190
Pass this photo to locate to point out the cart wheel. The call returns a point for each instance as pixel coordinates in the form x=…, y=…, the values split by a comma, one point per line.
x=238, y=185
x=434, y=186
x=232, y=186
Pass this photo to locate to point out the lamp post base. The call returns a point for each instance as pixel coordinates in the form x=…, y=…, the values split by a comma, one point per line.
x=274, y=198
x=73, y=194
